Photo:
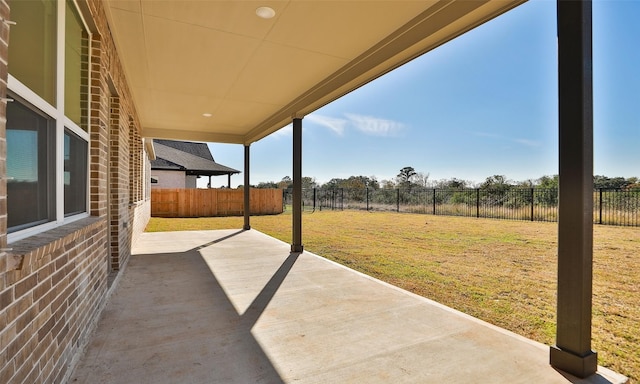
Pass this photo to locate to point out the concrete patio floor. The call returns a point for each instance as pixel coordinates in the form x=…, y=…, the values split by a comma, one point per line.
x=236, y=307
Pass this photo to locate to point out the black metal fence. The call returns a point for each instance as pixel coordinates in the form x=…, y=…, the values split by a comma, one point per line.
x=611, y=206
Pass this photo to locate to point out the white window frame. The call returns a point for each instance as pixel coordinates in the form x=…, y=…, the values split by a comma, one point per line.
x=61, y=122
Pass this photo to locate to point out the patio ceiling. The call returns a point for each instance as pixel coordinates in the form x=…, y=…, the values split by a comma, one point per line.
x=187, y=58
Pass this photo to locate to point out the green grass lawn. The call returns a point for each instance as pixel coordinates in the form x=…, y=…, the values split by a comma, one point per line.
x=503, y=272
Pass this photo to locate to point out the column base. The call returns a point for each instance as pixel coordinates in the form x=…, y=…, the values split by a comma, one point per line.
x=579, y=366
x=297, y=248
x=246, y=227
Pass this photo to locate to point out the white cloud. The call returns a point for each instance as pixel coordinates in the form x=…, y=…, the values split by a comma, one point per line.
x=375, y=126
x=369, y=125
x=525, y=142
x=334, y=124
x=286, y=131
x=528, y=143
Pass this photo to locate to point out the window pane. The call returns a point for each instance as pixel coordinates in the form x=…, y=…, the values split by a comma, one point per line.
x=30, y=167
x=76, y=67
x=33, y=46
x=75, y=174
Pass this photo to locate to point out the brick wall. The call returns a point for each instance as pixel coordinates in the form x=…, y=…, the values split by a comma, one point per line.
x=141, y=209
x=99, y=129
x=54, y=285
x=136, y=166
x=119, y=182
x=140, y=218
x=51, y=302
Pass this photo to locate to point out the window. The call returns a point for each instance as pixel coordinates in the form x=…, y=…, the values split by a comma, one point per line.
x=47, y=130
x=76, y=67
x=32, y=49
x=75, y=174
x=30, y=155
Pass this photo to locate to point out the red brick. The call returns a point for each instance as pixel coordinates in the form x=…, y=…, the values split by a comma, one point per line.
x=22, y=372
x=42, y=288
x=26, y=318
x=46, y=329
x=18, y=307
x=6, y=298
x=57, y=277
x=6, y=372
x=45, y=272
x=25, y=285
x=33, y=375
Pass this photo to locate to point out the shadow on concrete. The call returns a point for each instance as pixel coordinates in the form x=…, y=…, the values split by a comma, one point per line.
x=259, y=304
x=215, y=307
x=216, y=241
x=170, y=320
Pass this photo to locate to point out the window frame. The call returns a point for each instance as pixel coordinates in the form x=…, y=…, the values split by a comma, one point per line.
x=62, y=122
x=48, y=157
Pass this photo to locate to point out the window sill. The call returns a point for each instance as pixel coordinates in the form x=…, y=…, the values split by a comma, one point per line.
x=28, y=251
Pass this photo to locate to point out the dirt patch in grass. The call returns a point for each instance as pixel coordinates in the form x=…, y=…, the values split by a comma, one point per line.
x=503, y=272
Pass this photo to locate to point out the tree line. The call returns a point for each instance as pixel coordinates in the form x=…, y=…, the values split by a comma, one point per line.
x=408, y=178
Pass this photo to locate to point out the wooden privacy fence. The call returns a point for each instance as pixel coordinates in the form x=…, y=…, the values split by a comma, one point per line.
x=213, y=202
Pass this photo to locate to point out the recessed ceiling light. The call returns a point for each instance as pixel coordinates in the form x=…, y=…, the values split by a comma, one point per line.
x=207, y=115
x=265, y=12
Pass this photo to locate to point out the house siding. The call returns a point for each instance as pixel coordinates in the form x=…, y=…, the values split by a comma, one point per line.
x=54, y=285
x=169, y=179
x=191, y=181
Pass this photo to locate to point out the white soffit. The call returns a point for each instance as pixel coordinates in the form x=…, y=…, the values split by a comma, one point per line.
x=186, y=58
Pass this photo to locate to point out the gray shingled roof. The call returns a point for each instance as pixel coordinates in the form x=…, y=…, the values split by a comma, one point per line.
x=194, y=158
x=198, y=149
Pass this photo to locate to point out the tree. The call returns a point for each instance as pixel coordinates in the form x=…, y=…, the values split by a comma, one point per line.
x=333, y=183
x=267, y=184
x=362, y=182
x=452, y=183
x=496, y=183
x=605, y=182
x=634, y=184
x=353, y=182
x=529, y=183
x=309, y=182
x=372, y=183
x=548, y=193
x=387, y=184
x=285, y=183
x=421, y=179
x=548, y=182
x=405, y=175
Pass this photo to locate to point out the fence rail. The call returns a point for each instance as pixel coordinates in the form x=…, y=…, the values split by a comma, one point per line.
x=213, y=202
x=611, y=206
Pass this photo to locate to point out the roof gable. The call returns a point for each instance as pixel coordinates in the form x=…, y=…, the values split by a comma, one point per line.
x=194, y=158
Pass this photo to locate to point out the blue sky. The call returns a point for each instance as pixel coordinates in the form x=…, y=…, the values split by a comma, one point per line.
x=481, y=105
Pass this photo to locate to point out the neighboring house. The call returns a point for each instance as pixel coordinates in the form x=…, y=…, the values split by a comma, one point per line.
x=179, y=164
